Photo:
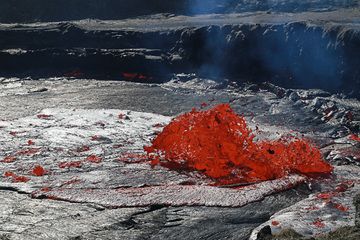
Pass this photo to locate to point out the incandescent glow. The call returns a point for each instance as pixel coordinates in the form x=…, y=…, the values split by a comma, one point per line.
x=218, y=143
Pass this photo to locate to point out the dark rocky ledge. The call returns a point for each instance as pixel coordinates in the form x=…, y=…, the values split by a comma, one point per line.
x=308, y=50
x=59, y=10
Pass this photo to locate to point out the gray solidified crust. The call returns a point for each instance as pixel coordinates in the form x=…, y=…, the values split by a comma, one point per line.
x=357, y=204
x=26, y=218
x=159, y=46
x=341, y=17
x=157, y=222
x=22, y=217
x=315, y=216
x=176, y=195
x=349, y=233
x=305, y=110
x=117, y=173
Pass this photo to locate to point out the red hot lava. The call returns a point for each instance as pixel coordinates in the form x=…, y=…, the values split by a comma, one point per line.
x=354, y=137
x=218, y=143
x=135, y=76
x=75, y=74
x=16, y=178
x=38, y=171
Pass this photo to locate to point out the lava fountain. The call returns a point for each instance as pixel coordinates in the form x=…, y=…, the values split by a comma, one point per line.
x=219, y=144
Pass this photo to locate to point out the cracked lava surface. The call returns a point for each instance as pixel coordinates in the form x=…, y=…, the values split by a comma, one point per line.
x=95, y=159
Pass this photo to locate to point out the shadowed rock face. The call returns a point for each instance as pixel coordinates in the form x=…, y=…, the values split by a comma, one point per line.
x=58, y=10
x=305, y=50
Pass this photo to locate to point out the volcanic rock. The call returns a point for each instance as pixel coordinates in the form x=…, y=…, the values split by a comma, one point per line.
x=259, y=47
x=71, y=137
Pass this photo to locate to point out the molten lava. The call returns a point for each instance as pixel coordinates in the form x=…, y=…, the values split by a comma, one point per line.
x=218, y=143
x=16, y=178
x=38, y=171
x=135, y=76
x=74, y=74
x=354, y=137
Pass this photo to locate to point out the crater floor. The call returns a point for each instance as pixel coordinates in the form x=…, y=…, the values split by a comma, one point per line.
x=95, y=183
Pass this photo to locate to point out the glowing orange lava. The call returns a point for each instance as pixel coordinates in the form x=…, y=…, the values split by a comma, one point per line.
x=135, y=76
x=38, y=171
x=218, y=143
x=9, y=159
x=16, y=178
x=354, y=137
x=94, y=159
x=74, y=164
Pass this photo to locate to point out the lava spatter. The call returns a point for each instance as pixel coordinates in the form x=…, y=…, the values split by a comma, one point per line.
x=94, y=159
x=9, y=159
x=135, y=76
x=16, y=178
x=219, y=144
x=38, y=171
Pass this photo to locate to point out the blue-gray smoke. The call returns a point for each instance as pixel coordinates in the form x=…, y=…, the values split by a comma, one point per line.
x=301, y=57
x=305, y=57
x=207, y=6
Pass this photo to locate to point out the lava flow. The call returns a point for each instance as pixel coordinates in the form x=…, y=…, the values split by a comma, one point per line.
x=135, y=76
x=218, y=143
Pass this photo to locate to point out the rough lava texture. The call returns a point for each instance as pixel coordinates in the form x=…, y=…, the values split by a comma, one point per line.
x=173, y=195
x=94, y=159
x=322, y=212
x=72, y=168
x=75, y=147
x=218, y=143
